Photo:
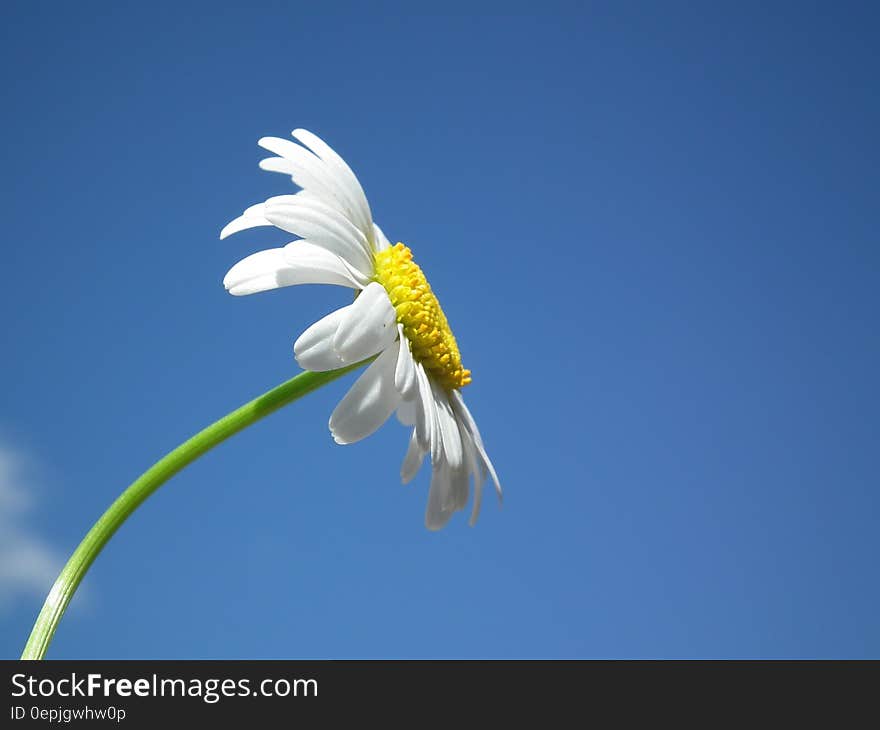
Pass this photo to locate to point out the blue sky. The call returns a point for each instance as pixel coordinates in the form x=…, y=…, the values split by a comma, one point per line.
x=653, y=230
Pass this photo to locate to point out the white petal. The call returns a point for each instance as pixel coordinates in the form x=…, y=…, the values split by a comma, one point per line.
x=426, y=423
x=381, y=240
x=354, y=193
x=407, y=412
x=303, y=167
x=296, y=263
x=311, y=173
x=339, y=271
x=468, y=422
x=448, y=427
x=314, y=347
x=472, y=465
x=370, y=401
x=318, y=347
x=412, y=462
x=438, y=511
x=257, y=272
x=369, y=326
x=459, y=488
x=251, y=218
x=405, y=373
x=321, y=225
x=277, y=164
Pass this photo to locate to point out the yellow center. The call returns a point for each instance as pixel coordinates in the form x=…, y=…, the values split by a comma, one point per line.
x=424, y=324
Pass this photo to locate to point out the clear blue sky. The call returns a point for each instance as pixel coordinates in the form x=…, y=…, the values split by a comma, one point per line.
x=653, y=228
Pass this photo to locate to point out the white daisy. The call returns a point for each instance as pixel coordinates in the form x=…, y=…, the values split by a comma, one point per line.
x=395, y=316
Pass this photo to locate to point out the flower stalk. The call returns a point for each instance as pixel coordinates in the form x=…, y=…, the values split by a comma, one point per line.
x=73, y=572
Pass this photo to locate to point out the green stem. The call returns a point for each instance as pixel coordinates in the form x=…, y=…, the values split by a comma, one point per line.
x=153, y=478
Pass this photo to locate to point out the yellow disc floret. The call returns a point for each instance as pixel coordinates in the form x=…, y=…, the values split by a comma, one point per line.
x=424, y=324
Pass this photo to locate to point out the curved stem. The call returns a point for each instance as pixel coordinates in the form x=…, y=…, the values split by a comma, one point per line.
x=153, y=478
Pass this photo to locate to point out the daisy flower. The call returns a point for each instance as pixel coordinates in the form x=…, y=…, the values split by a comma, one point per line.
x=395, y=316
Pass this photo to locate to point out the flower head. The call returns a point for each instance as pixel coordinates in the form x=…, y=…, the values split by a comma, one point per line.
x=396, y=317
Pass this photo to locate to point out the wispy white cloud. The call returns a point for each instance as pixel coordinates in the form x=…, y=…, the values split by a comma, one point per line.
x=28, y=563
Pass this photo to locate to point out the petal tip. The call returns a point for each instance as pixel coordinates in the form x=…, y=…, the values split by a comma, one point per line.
x=434, y=526
x=337, y=437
